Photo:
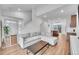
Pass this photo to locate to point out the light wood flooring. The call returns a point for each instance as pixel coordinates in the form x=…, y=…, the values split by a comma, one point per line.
x=62, y=48
x=14, y=50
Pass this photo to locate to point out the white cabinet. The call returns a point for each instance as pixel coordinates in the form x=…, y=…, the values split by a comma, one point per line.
x=74, y=45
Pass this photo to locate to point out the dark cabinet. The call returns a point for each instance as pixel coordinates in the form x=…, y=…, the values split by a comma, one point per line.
x=73, y=21
x=13, y=39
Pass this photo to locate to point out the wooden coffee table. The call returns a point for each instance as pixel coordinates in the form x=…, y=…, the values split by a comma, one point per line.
x=35, y=48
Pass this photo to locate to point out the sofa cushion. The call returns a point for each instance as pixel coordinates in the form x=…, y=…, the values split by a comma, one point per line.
x=24, y=36
x=50, y=40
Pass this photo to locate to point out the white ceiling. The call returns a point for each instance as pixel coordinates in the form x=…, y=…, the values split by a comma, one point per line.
x=56, y=13
x=41, y=9
x=11, y=11
x=51, y=11
x=14, y=7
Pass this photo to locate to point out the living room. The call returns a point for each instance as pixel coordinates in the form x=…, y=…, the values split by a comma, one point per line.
x=39, y=29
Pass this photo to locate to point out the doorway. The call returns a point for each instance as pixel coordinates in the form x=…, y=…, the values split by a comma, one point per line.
x=10, y=30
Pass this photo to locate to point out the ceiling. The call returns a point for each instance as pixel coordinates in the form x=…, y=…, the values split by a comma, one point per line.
x=16, y=12
x=60, y=12
x=45, y=11
x=41, y=9
x=15, y=7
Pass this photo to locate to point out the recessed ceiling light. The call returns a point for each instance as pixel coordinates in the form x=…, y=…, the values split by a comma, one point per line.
x=20, y=22
x=10, y=21
x=62, y=11
x=19, y=9
x=45, y=16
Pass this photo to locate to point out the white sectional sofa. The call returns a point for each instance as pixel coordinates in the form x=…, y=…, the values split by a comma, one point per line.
x=50, y=40
x=27, y=40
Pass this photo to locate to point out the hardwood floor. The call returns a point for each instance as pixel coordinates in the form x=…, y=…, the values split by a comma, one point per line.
x=62, y=48
x=14, y=50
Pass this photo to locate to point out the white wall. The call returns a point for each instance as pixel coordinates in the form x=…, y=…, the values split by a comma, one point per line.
x=0, y=33
x=77, y=25
x=0, y=30
x=44, y=27
x=33, y=26
x=30, y=27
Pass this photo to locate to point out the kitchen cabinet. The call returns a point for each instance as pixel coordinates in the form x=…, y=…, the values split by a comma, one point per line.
x=13, y=39
x=74, y=45
x=73, y=21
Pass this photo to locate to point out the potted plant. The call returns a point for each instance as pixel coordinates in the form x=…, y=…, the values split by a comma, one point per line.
x=6, y=30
